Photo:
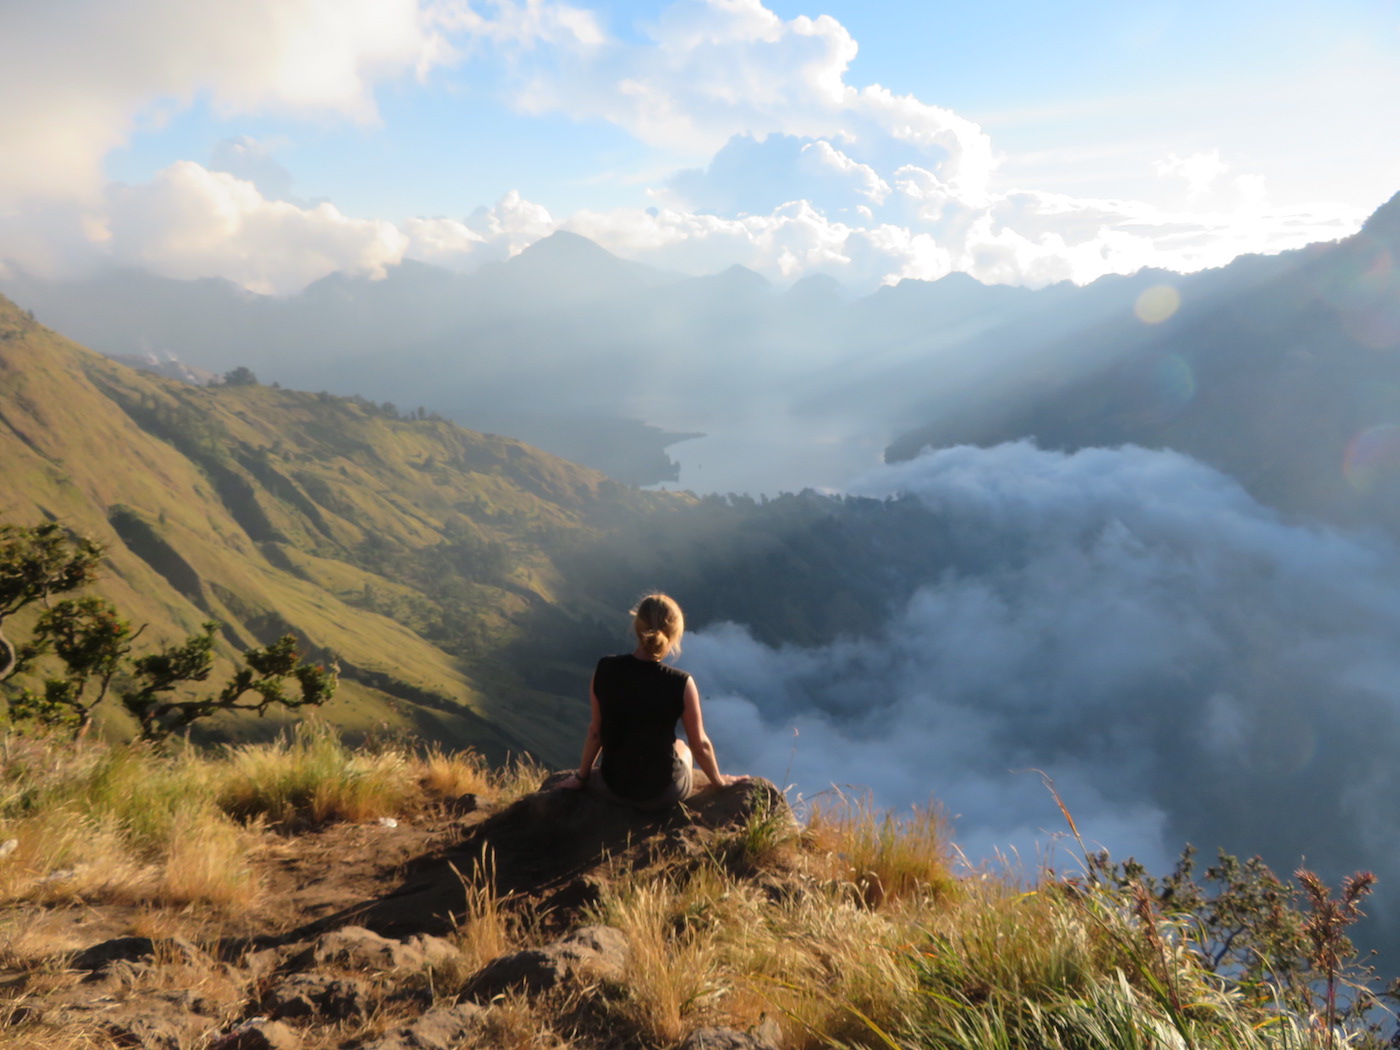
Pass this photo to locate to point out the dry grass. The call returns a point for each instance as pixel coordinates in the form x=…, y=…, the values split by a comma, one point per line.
x=32, y=1036
x=889, y=858
x=673, y=972
x=97, y=822
x=1029, y=943
x=486, y=929
x=207, y=862
x=521, y=775
x=452, y=775
x=513, y=1022
x=311, y=776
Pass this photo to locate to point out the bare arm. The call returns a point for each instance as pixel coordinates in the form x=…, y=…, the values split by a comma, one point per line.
x=592, y=743
x=700, y=745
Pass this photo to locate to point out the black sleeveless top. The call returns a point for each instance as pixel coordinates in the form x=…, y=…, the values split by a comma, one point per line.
x=640, y=701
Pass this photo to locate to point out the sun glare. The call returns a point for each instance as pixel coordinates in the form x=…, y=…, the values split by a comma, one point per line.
x=1157, y=304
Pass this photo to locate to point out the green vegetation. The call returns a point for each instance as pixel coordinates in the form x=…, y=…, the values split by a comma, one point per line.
x=92, y=646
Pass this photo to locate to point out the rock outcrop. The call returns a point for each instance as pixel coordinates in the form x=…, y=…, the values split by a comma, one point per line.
x=551, y=846
x=329, y=982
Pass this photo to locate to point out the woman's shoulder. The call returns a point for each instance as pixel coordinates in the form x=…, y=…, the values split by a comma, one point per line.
x=607, y=663
x=629, y=664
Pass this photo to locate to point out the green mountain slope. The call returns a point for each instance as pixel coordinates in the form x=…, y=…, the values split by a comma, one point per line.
x=465, y=582
x=410, y=548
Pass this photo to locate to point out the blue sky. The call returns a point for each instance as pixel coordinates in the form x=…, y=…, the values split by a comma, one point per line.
x=272, y=141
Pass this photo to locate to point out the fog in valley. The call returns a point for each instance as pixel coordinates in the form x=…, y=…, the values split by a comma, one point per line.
x=1184, y=663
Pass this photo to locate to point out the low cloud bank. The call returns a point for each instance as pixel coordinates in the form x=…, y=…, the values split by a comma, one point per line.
x=1184, y=663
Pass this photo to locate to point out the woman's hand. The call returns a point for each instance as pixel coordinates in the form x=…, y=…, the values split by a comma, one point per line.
x=573, y=783
x=725, y=780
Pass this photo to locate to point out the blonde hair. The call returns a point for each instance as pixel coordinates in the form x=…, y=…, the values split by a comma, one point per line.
x=659, y=624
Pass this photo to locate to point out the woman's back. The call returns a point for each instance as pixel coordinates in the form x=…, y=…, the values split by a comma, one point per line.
x=640, y=702
x=635, y=702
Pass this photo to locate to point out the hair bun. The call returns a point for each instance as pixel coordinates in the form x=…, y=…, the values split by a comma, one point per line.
x=658, y=623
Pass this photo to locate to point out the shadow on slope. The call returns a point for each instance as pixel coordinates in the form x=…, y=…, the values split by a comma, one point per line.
x=551, y=850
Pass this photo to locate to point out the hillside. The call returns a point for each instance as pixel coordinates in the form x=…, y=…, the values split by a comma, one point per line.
x=272, y=510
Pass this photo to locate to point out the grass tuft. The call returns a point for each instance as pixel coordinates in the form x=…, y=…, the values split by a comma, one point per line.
x=887, y=858
x=454, y=775
x=311, y=777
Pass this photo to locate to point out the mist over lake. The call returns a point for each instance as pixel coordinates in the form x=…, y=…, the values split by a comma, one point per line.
x=1186, y=664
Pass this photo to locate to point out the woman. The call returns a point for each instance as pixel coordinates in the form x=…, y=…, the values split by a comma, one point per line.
x=631, y=754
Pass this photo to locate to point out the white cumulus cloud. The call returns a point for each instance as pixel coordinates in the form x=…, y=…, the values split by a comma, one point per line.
x=79, y=77
x=498, y=232
x=191, y=222
x=714, y=69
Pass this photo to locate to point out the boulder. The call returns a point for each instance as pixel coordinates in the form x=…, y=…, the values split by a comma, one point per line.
x=356, y=948
x=763, y=1037
x=258, y=1034
x=307, y=995
x=441, y=1028
x=128, y=949
x=134, y=953
x=590, y=953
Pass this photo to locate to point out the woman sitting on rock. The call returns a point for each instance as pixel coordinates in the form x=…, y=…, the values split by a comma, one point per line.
x=631, y=754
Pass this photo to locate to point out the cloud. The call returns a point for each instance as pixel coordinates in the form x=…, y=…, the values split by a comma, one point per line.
x=715, y=69
x=792, y=241
x=1186, y=665
x=1200, y=170
x=79, y=77
x=515, y=26
x=191, y=222
x=494, y=233
x=752, y=177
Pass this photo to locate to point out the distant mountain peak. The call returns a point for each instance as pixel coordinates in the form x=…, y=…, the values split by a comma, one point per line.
x=816, y=285
x=1384, y=223
x=742, y=276
x=564, y=246
x=574, y=259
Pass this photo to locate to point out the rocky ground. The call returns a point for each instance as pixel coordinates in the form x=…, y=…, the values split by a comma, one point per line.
x=376, y=937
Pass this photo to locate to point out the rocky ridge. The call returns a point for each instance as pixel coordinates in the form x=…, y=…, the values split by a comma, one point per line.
x=366, y=975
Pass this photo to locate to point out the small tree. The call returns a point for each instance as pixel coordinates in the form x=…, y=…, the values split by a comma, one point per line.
x=91, y=642
x=240, y=376
x=36, y=563
x=265, y=676
x=93, y=648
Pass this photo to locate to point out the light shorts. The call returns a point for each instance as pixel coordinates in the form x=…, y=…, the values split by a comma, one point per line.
x=682, y=782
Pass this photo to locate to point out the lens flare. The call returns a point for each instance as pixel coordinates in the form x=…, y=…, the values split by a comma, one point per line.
x=1174, y=383
x=1371, y=456
x=1161, y=388
x=1157, y=304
